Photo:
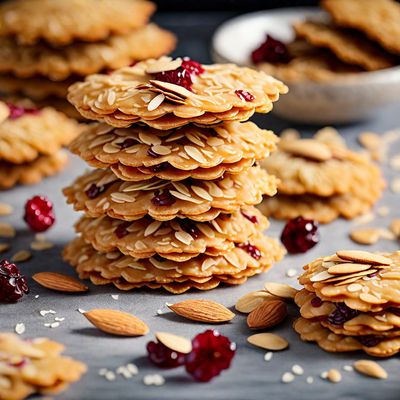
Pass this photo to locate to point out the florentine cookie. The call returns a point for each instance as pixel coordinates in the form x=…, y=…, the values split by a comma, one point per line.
x=168, y=93
x=34, y=367
x=379, y=19
x=62, y=22
x=32, y=172
x=349, y=46
x=26, y=132
x=81, y=59
x=178, y=240
x=137, y=153
x=100, y=193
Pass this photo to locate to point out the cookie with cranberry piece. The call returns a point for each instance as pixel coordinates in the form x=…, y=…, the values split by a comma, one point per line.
x=62, y=22
x=168, y=93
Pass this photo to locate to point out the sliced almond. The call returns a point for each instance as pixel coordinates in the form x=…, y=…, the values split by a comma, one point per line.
x=371, y=299
x=363, y=257
x=41, y=245
x=365, y=235
x=171, y=87
x=117, y=322
x=321, y=276
x=267, y=314
x=395, y=227
x=347, y=268
x=155, y=102
x=280, y=290
x=4, y=247
x=59, y=282
x=5, y=209
x=337, y=278
x=4, y=111
x=7, y=230
x=370, y=368
x=334, y=375
x=202, y=310
x=268, y=341
x=175, y=342
x=307, y=148
x=164, y=65
x=21, y=256
x=250, y=301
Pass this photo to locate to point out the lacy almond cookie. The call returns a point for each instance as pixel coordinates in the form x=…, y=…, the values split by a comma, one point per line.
x=379, y=19
x=34, y=367
x=142, y=93
x=27, y=132
x=313, y=331
x=100, y=193
x=364, y=284
x=137, y=152
x=178, y=240
x=349, y=46
x=81, y=59
x=32, y=172
x=62, y=22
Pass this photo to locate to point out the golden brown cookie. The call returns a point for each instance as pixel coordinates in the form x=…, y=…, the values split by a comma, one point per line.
x=177, y=240
x=349, y=46
x=26, y=132
x=138, y=94
x=379, y=19
x=34, y=367
x=313, y=331
x=32, y=172
x=62, y=22
x=100, y=193
x=137, y=153
x=81, y=59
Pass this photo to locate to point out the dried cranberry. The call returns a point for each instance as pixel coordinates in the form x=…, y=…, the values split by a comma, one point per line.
x=342, y=314
x=189, y=227
x=122, y=230
x=211, y=353
x=128, y=143
x=316, y=302
x=244, y=95
x=152, y=153
x=181, y=76
x=251, y=218
x=12, y=284
x=95, y=190
x=370, y=340
x=300, y=235
x=163, y=357
x=19, y=111
x=163, y=199
x=271, y=50
x=254, y=251
x=39, y=213
x=159, y=167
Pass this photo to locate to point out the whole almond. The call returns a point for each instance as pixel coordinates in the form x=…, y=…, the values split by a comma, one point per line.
x=370, y=368
x=117, y=322
x=202, y=311
x=267, y=314
x=59, y=282
x=250, y=301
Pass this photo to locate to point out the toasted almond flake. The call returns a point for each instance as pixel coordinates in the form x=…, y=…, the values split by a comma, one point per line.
x=184, y=237
x=4, y=247
x=363, y=257
x=247, y=303
x=174, y=342
x=321, y=276
x=152, y=228
x=370, y=368
x=202, y=193
x=183, y=197
x=365, y=235
x=371, y=299
x=334, y=375
x=268, y=341
x=5, y=209
x=7, y=230
x=395, y=227
x=164, y=65
x=111, y=97
x=122, y=197
x=194, y=153
x=155, y=102
x=162, y=150
x=347, y=268
x=207, y=264
x=280, y=290
x=172, y=88
x=111, y=148
x=21, y=256
x=395, y=185
x=307, y=148
x=354, y=287
x=287, y=377
x=41, y=246
x=20, y=328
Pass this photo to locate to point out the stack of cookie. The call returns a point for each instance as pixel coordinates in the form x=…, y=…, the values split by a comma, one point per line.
x=31, y=141
x=321, y=179
x=350, y=301
x=171, y=203
x=46, y=45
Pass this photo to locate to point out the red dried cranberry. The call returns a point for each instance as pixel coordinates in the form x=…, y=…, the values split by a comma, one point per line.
x=19, y=111
x=370, y=340
x=251, y=218
x=152, y=153
x=254, y=251
x=12, y=284
x=163, y=199
x=316, y=302
x=342, y=314
x=211, y=353
x=163, y=357
x=128, y=143
x=189, y=227
x=181, y=76
x=300, y=235
x=244, y=95
x=271, y=50
x=121, y=230
x=95, y=190
x=39, y=213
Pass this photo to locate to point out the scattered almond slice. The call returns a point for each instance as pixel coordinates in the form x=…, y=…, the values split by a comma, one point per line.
x=21, y=256
x=7, y=230
x=370, y=368
x=347, y=268
x=59, y=282
x=365, y=235
x=174, y=342
x=202, y=311
x=281, y=290
x=307, y=148
x=41, y=245
x=5, y=209
x=363, y=257
x=395, y=227
x=4, y=247
x=117, y=322
x=268, y=341
x=250, y=301
x=334, y=375
x=164, y=65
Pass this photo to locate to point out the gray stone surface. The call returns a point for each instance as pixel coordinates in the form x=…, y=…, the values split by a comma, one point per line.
x=250, y=377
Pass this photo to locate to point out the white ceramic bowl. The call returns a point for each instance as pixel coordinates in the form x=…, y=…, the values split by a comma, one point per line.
x=343, y=100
